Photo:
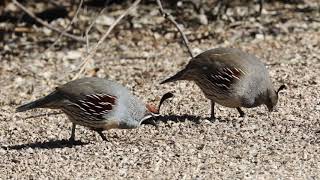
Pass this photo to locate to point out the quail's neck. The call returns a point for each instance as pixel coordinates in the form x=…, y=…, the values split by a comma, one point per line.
x=258, y=100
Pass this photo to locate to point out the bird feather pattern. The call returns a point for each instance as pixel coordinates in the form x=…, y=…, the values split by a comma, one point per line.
x=96, y=105
x=224, y=78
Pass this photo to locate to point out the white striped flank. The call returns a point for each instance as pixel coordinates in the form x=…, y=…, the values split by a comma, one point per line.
x=235, y=77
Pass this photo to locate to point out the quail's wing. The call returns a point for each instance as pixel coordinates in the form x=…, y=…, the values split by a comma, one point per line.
x=221, y=69
x=93, y=96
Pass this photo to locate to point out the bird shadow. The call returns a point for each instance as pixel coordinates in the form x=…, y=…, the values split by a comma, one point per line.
x=181, y=118
x=52, y=144
x=173, y=118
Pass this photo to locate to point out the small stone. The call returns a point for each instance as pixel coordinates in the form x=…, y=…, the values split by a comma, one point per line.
x=260, y=36
x=2, y=151
x=203, y=19
x=105, y=20
x=73, y=55
x=47, y=31
x=197, y=50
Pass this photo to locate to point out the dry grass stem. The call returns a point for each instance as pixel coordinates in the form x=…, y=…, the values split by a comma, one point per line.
x=67, y=28
x=171, y=19
x=95, y=48
x=44, y=23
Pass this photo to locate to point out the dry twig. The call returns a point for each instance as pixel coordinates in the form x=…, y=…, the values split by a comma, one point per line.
x=95, y=48
x=171, y=19
x=44, y=23
x=90, y=27
x=67, y=28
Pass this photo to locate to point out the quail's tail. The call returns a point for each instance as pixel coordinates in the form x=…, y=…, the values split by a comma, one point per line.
x=44, y=102
x=176, y=77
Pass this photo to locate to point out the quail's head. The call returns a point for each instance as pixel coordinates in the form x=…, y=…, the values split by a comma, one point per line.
x=272, y=98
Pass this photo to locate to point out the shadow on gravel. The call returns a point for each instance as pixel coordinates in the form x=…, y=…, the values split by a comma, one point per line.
x=45, y=145
x=174, y=118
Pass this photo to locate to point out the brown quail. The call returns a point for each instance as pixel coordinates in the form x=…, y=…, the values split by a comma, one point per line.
x=230, y=77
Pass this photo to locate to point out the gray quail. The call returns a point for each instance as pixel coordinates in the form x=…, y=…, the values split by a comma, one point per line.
x=232, y=78
x=96, y=103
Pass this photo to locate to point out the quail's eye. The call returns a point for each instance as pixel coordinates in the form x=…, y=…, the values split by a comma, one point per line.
x=205, y=68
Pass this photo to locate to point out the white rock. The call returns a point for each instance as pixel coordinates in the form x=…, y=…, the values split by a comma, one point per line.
x=203, y=19
x=105, y=20
x=73, y=55
x=259, y=36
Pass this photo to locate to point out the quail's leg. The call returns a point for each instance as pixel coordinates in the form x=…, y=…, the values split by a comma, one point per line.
x=240, y=112
x=212, y=118
x=101, y=135
x=73, y=131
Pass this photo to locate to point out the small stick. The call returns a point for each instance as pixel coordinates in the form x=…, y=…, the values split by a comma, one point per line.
x=90, y=27
x=171, y=19
x=39, y=20
x=95, y=48
x=67, y=28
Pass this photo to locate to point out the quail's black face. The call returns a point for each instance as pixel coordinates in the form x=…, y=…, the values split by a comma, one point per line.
x=273, y=98
x=272, y=102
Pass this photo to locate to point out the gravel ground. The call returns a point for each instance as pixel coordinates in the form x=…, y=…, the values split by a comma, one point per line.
x=262, y=145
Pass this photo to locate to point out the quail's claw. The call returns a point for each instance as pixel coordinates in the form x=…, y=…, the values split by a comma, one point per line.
x=212, y=119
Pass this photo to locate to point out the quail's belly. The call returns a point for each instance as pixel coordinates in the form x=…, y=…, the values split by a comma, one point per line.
x=224, y=98
x=228, y=101
x=91, y=121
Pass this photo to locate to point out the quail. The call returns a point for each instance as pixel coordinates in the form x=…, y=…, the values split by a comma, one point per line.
x=232, y=78
x=96, y=103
